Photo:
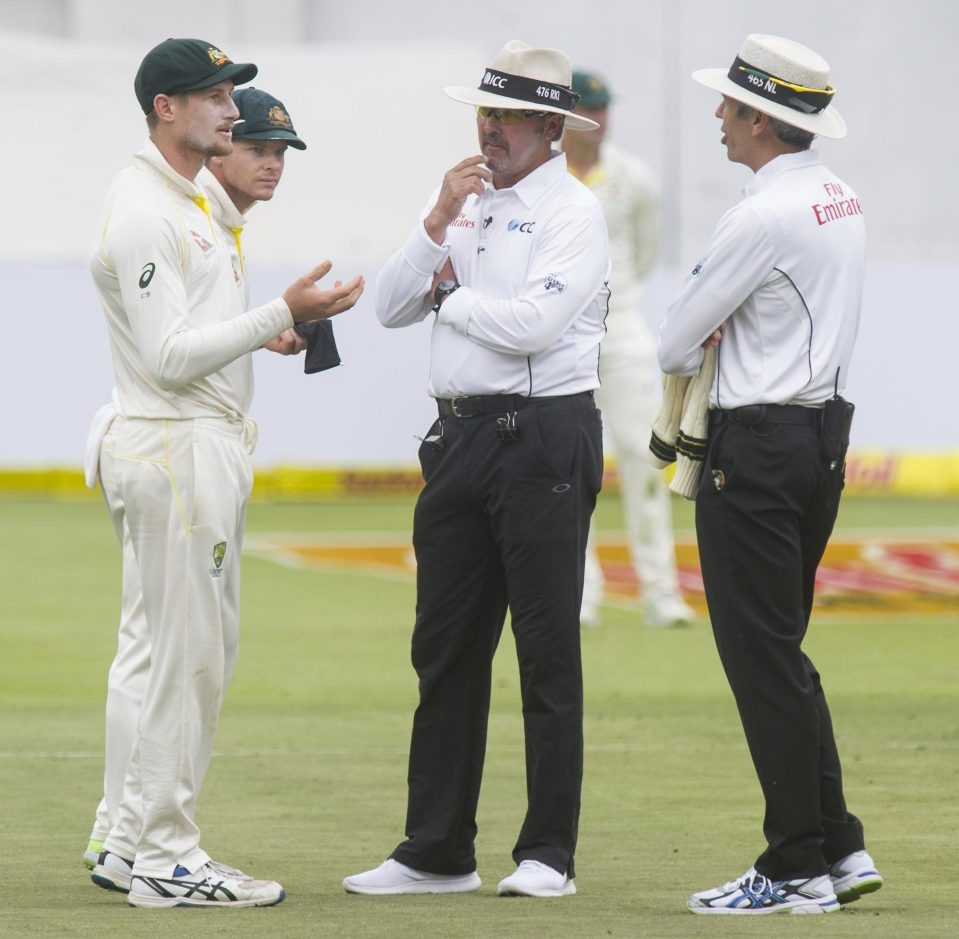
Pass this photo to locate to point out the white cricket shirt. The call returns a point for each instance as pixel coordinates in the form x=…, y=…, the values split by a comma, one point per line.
x=231, y=224
x=784, y=270
x=629, y=196
x=164, y=275
x=533, y=262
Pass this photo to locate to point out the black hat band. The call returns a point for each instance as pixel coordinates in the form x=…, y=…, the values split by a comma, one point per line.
x=789, y=95
x=528, y=89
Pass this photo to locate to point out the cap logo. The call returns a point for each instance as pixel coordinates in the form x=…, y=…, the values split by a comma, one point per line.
x=217, y=57
x=279, y=118
x=528, y=89
x=790, y=95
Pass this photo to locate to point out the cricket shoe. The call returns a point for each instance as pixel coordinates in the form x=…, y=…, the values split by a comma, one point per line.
x=212, y=885
x=112, y=872
x=92, y=854
x=854, y=876
x=755, y=895
x=535, y=879
x=667, y=612
x=391, y=877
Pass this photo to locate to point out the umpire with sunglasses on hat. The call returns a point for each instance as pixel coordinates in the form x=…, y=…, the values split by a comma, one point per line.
x=509, y=263
x=778, y=293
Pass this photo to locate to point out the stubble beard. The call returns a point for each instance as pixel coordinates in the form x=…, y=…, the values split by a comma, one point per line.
x=500, y=162
x=211, y=146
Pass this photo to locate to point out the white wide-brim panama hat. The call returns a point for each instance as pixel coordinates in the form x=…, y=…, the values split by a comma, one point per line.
x=783, y=79
x=526, y=79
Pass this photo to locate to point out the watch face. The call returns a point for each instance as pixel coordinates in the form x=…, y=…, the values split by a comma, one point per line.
x=443, y=289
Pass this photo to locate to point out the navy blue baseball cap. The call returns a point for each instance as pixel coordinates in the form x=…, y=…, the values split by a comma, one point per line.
x=263, y=117
x=179, y=65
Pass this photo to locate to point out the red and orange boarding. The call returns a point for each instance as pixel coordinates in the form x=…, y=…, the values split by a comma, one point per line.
x=868, y=575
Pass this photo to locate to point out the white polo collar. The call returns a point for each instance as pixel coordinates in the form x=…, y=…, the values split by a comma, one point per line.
x=779, y=165
x=151, y=156
x=530, y=188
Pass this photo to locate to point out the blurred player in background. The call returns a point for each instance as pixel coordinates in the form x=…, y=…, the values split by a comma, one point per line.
x=629, y=391
x=174, y=463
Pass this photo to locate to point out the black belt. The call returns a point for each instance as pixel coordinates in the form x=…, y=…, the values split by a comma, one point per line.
x=497, y=404
x=750, y=414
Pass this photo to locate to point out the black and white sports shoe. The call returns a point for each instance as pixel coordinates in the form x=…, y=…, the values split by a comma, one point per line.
x=112, y=872
x=214, y=885
x=753, y=894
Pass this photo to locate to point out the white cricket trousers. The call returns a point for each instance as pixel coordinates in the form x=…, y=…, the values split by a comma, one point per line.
x=177, y=492
x=629, y=397
x=128, y=674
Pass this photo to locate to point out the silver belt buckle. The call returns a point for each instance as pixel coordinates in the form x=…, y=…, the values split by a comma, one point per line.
x=455, y=408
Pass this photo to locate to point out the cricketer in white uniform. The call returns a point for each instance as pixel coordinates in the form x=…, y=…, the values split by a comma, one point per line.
x=254, y=168
x=629, y=391
x=175, y=464
x=778, y=293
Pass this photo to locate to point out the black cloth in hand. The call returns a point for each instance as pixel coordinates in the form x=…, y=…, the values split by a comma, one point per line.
x=321, y=351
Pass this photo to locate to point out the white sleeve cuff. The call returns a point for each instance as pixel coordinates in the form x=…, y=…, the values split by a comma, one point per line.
x=269, y=320
x=423, y=254
x=457, y=309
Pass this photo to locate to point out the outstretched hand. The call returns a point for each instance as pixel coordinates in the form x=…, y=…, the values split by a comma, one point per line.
x=307, y=302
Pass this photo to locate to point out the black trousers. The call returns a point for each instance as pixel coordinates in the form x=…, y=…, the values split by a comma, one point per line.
x=500, y=523
x=764, y=513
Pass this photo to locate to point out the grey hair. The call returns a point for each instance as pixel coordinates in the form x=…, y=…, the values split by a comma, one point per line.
x=562, y=124
x=785, y=133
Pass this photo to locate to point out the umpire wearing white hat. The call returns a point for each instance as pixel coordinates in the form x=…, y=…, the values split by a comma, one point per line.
x=509, y=260
x=778, y=291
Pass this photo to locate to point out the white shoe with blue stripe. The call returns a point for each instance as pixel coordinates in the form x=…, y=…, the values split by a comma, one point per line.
x=755, y=895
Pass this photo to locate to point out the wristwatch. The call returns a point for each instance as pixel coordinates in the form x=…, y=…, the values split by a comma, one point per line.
x=443, y=289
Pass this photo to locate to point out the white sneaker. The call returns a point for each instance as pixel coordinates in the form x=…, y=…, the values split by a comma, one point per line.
x=854, y=876
x=112, y=872
x=535, y=879
x=667, y=612
x=590, y=618
x=392, y=877
x=92, y=854
x=213, y=885
x=754, y=895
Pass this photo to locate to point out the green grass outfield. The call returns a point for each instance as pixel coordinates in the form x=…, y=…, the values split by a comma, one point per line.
x=308, y=783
